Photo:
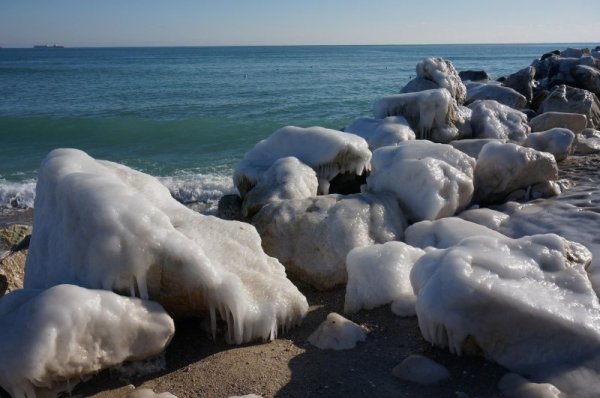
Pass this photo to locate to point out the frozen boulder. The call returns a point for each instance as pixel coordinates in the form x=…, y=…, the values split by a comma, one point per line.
x=573, y=100
x=53, y=338
x=588, y=78
x=514, y=386
x=380, y=274
x=522, y=82
x=421, y=370
x=549, y=120
x=588, y=142
x=328, y=152
x=463, y=122
x=429, y=180
x=473, y=75
x=437, y=73
x=556, y=141
x=382, y=132
x=102, y=225
x=504, y=168
x=287, y=178
x=574, y=52
x=472, y=146
x=491, y=119
x=337, y=333
x=494, y=91
x=312, y=237
x=432, y=114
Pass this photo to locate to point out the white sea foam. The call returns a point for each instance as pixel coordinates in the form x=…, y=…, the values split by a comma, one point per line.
x=18, y=195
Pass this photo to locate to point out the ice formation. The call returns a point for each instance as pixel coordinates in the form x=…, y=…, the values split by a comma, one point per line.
x=492, y=90
x=549, y=120
x=514, y=386
x=568, y=99
x=429, y=180
x=491, y=119
x=382, y=132
x=504, y=168
x=472, y=146
x=556, y=141
x=421, y=370
x=337, y=333
x=445, y=232
x=52, y=338
x=380, y=274
x=312, y=237
x=287, y=178
x=328, y=152
x=432, y=114
x=148, y=393
x=588, y=142
x=103, y=225
x=435, y=73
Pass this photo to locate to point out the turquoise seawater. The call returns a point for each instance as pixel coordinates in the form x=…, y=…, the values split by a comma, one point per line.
x=187, y=115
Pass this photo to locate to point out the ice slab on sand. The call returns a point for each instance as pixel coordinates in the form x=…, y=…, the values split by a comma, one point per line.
x=514, y=386
x=103, y=225
x=148, y=393
x=382, y=132
x=337, y=333
x=421, y=370
x=52, y=338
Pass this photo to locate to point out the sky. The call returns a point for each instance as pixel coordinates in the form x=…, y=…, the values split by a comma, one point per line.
x=92, y=23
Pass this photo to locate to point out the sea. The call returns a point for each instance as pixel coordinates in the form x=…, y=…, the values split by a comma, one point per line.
x=187, y=115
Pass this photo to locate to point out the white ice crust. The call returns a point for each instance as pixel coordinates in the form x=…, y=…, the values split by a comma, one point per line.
x=103, y=225
x=148, y=393
x=421, y=370
x=429, y=180
x=52, y=338
x=442, y=74
x=380, y=274
x=556, y=141
x=382, y=132
x=514, y=386
x=490, y=119
x=328, y=152
x=445, y=232
x=337, y=333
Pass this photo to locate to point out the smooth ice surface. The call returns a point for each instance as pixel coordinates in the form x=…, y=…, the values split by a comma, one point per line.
x=549, y=120
x=380, y=274
x=556, y=141
x=52, y=338
x=492, y=90
x=382, y=132
x=429, y=180
x=473, y=146
x=421, y=370
x=312, y=237
x=490, y=119
x=442, y=74
x=445, y=232
x=337, y=333
x=102, y=225
x=514, y=386
x=287, y=178
x=328, y=152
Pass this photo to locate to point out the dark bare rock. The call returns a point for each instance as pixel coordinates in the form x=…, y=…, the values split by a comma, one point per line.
x=230, y=208
x=522, y=82
x=474, y=75
x=573, y=100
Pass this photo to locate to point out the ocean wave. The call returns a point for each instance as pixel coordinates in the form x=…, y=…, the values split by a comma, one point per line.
x=17, y=195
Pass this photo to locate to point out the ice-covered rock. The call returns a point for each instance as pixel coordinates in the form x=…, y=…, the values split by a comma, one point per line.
x=473, y=75
x=337, y=333
x=472, y=146
x=492, y=90
x=504, y=168
x=430, y=180
x=588, y=78
x=432, y=114
x=328, y=152
x=522, y=82
x=556, y=141
x=549, y=120
x=514, y=386
x=445, y=232
x=435, y=73
x=463, y=122
x=491, y=119
x=52, y=338
x=380, y=274
x=287, y=178
x=573, y=100
x=421, y=370
x=382, y=132
x=588, y=142
x=102, y=225
x=312, y=237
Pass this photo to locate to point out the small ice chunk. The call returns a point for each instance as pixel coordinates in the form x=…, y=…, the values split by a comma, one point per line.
x=382, y=132
x=380, y=274
x=556, y=141
x=148, y=393
x=490, y=119
x=588, y=142
x=421, y=370
x=514, y=386
x=445, y=232
x=337, y=333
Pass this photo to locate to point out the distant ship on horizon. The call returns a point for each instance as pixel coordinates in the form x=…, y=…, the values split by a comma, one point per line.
x=47, y=46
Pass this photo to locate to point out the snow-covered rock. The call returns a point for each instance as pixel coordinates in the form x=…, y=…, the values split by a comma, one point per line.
x=568, y=99
x=588, y=142
x=380, y=274
x=472, y=146
x=328, y=152
x=435, y=73
x=421, y=370
x=337, y=333
x=382, y=132
x=312, y=237
x=573, y=121
x=432, y=114
x=491, y=119
x=492, y=90
x=54, y=337
x=430, y=180
x=556, y=141
x=102, y=225
x=287, y=178
x=504, y=168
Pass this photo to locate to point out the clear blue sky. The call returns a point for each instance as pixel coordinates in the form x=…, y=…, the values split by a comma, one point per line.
x=252, y=22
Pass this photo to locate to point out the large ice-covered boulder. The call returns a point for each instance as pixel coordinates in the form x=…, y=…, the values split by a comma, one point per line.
x=312, y=237
x=556, y=141
x=573, y=100
x=432, y=114
x=491, y=119
x=382, y=132
x=102, y=225
x=429, y=180
x=437, y=73
x=380, y=274
x=549, y=120
x=472, y=146
x=53, y=338
x=466, y=294
x=492, y=90
x=287, y=178
x=328, y=152
x=504, y=168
